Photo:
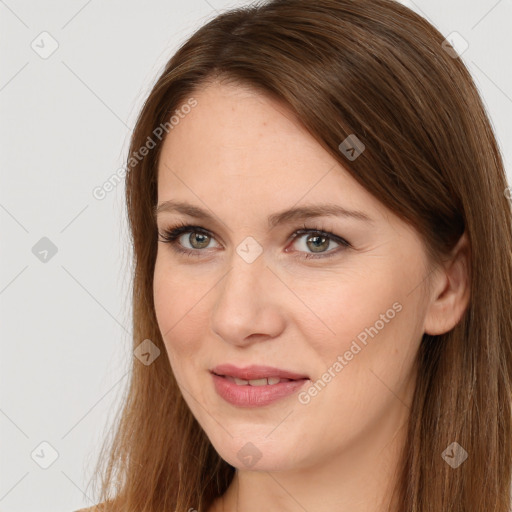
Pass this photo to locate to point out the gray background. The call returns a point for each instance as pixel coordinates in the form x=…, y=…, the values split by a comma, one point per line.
x=65, y=125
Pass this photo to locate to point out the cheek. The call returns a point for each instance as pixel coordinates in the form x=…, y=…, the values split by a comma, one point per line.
x=368, y=362
x=182, y=311
x=371, y=316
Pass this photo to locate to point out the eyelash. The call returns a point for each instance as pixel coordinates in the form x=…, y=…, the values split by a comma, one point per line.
x=171, y=235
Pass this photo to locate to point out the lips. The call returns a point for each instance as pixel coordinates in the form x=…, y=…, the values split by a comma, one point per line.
x=255, y=386
x=255, y=372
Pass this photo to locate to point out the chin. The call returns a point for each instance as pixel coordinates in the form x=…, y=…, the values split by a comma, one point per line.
x=257, y=452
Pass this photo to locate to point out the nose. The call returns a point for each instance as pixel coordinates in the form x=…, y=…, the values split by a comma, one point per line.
x=249, y=305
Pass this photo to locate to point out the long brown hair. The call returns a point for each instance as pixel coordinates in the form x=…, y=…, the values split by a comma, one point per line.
x=375, y=69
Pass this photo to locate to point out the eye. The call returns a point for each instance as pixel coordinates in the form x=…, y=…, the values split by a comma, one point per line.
x=198, y=238
x=317, y=240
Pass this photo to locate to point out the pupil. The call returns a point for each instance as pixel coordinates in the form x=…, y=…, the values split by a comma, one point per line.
x=197, y=236
x=318, y=238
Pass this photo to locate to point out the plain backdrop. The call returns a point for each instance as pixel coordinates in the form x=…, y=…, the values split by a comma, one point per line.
x=73, y=76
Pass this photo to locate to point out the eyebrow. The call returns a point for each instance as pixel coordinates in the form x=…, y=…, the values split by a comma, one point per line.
x=286, y=216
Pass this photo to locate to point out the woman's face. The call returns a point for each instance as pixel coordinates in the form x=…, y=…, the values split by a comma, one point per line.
x=349, y=318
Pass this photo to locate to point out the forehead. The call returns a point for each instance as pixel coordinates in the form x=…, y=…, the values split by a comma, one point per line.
x=230, y=122
x=239, y=144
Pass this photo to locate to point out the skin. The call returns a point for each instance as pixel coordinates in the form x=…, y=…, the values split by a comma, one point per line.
x=243, y=156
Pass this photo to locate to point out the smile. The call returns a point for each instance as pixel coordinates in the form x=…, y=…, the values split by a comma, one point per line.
x=270, y=381
x=255, y=392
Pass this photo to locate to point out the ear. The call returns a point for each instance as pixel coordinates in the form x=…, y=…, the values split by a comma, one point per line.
x=450, y=290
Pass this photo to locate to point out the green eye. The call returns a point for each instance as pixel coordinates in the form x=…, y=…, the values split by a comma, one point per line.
x=202, y=237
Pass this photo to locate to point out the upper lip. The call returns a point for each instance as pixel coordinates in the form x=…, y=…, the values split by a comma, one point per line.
x=255, y=372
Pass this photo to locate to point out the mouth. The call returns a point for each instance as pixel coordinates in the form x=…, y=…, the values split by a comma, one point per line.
x=268, y=381
x=256, y=375
x=255, y=386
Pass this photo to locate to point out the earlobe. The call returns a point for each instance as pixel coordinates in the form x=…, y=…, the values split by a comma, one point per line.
x=450, y=291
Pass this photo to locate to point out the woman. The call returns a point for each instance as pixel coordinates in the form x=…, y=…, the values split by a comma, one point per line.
x=323, y=273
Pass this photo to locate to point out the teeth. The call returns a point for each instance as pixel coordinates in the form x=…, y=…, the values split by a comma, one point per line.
x=257, y=382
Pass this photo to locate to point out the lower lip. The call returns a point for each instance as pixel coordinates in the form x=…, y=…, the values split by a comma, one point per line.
x=255, y=396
